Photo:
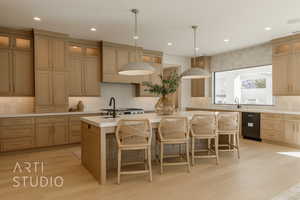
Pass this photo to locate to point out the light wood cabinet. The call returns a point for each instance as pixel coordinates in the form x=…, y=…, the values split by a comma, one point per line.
x=281, y=128
x=114, y=56
x=16, y=60
x=198, y=85
x=286, y=60
x=16, y=134
x=51, y=74
x=51, y=131
x=84, y=76
x=5, y=72
x=155, y=59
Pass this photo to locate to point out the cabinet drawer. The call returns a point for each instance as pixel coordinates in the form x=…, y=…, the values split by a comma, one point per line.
x=16, y=144
x=271, y=116
x=274, y=124
x=16, y=121
x=292, y=117
x=16, y=131
x=43, y=120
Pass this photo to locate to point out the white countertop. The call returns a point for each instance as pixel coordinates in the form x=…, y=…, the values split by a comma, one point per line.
x=48, y=114
x=101, y=121
x=248, y=110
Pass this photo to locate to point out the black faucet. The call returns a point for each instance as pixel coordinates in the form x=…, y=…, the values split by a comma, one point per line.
x=113, y=101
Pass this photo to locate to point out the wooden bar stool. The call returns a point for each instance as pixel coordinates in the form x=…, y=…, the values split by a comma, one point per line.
x=203, y=127
x=228, y=124
x=173, y=130
x=134, y=134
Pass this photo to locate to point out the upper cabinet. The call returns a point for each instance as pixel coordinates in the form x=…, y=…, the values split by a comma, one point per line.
x=286, y=61
x=16, y=60
x=198, y=85
x=155, y=59
x=84, y=69
x=114, y=56
x=51, y=83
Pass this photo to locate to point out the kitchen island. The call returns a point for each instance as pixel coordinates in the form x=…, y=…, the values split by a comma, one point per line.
x=95, y=131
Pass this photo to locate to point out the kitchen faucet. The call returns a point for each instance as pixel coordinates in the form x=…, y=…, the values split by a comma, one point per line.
x=113, y=101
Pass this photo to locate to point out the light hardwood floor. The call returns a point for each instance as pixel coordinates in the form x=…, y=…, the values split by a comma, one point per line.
x=260, y=174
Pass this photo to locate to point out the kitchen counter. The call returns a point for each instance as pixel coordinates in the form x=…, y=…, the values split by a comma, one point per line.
x=245, y=110
x=48, y=114
x=102, y=121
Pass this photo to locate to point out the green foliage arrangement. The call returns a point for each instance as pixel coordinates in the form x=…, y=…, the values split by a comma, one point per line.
x=167, y=86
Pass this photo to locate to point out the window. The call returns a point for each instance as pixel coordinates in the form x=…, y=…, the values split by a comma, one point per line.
x=252, y=86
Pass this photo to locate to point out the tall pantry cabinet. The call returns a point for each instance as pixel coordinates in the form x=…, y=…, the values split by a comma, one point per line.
x=51, y=84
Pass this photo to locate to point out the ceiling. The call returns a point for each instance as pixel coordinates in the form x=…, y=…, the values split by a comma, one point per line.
x=161, y=21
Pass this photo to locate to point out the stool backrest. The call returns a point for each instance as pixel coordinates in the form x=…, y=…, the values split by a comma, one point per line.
x=228, y=121
x=203, y=124
x=173, y=128
x=133, y=131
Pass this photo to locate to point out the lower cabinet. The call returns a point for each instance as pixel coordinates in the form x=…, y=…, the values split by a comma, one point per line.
x=282, y=128
x=51, y=131
x=16, y=134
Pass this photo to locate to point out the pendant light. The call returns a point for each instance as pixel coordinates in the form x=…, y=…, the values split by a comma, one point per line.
x=195, y=73
x=136, y=68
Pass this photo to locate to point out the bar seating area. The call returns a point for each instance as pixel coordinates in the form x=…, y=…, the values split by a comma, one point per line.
x=177, y=131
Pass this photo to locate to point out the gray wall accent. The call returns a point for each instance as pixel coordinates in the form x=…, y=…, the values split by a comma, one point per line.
x=242, y=58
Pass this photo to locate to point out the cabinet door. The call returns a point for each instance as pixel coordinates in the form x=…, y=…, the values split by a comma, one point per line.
x=122, y=59
x=60, y=133
x=44, y=134
x=290, y=134
x=5, y=73
x=109, y=64
x=23, y=73
x=58, y=52
x=76, y=76
x=43, y=88
x=280, y=75
x=294, y=72
x=43, y=53
x=60, y=89
x=91, y=74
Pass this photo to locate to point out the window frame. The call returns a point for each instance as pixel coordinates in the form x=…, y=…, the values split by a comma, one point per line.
x=240, y=68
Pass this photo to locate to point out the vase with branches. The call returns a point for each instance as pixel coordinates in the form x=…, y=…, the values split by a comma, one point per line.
x=167, y=86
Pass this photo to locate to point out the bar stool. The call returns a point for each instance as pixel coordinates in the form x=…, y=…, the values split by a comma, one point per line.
x=203, y=127
x=134, y=134
x=173, y=130
x=228, y=124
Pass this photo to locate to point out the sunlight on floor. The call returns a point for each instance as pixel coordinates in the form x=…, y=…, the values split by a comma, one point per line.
x=293, y=154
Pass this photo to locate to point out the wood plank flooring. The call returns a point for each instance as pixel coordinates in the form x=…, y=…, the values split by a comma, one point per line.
x=260, y=174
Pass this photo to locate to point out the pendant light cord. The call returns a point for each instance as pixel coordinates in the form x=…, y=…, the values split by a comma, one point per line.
x=195, y=43
x=135, y=37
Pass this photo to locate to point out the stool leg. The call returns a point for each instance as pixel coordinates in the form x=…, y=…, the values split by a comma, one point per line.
x=217, y=148
x=146, y=159
x=161, y=157
x=149, y=164
x=119, y=165
x=193, y=151
x=238, y=145
x=188, y=156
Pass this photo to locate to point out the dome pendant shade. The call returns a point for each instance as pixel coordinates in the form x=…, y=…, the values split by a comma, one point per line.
x=195, y=73
x=136, y=68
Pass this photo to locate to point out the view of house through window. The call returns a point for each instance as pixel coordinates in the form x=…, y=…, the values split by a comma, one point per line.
x=244, y=86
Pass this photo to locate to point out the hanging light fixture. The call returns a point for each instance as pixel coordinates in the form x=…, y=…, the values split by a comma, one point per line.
x=136, y=68
x=195, y=73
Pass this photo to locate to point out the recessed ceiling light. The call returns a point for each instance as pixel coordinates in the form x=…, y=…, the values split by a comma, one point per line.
x=170, y=43
x=268, y=28
x=37, y=19
x=93, y=29
x=226, y=40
